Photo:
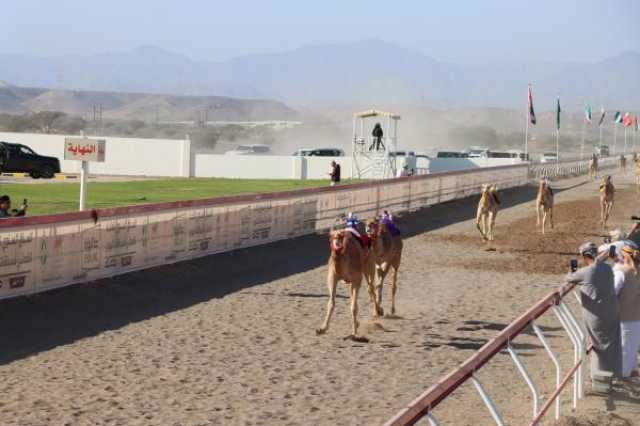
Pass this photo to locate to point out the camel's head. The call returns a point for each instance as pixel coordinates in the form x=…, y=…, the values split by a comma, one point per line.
x=493, y=188
x=543, y=183
x=485, y=189
x=337, y=240
x=373, y=227
x=607, y=179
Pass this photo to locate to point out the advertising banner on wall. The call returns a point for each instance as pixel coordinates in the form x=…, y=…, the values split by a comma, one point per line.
x=40, y=253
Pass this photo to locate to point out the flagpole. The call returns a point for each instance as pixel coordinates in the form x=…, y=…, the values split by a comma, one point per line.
x=584, y=123
x=557, y=151
x=625, y=141
x=615, y=137
x=526, y=127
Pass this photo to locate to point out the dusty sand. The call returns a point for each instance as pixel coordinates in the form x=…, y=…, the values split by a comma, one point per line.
x=229, y=340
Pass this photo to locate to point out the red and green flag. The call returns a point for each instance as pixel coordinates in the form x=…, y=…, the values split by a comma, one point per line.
x=627, y=121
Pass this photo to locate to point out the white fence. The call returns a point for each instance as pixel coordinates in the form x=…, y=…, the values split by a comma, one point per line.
x=44, y=252
x=124, y=156
x=571, y=168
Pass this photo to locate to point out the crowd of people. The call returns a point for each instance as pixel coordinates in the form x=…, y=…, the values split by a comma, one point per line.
x=609, y=289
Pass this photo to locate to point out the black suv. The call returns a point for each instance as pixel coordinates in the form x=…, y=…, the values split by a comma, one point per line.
x=16, y=158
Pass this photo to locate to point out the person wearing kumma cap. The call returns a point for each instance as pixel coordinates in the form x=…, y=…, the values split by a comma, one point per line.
x=600, y=310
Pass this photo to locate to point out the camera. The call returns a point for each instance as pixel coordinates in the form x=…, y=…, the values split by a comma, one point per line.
x=636, y=218
x=574, y=265
x=612, y=251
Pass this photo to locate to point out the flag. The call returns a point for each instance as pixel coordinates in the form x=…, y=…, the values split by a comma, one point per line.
x=617, y=118
x=558, y=111
x=587, y=113
x=532, y=114
x=602, y=114
x=628, y=120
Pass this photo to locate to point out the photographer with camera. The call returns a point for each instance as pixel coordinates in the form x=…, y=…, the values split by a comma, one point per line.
x=5, y=208
x=600, y=308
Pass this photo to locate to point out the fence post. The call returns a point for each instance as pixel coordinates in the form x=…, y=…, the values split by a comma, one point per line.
x=488, y=402
x=555, y=361
x=527, y=378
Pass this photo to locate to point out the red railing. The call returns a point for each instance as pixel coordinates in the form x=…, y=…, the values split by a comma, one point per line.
x=425, y=404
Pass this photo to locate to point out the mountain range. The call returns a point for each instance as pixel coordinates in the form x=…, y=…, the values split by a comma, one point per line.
x=364, y=72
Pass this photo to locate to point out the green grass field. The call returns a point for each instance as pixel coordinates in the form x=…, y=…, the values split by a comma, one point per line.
x=63, y=197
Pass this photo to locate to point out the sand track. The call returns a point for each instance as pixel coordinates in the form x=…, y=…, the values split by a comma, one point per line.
x=229, y=339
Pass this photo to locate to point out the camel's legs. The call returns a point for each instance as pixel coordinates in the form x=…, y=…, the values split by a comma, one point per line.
x=332, y=283
x=538, y=207
x=394, y=288
x=371, y=288
x=551, y=216
x=355, y=287
x=383, y=270
x=492, y=224
x=544, y=219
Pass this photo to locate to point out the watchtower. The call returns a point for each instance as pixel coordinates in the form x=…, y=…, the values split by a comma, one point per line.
x=374, y=157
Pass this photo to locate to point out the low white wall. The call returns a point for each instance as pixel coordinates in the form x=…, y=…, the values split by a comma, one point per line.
x=124, y=156
x=436, y=165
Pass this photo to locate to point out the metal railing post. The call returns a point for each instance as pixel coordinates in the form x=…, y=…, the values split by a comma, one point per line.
x=574, y=340
x=527, y=378
x=432, y=420
x=555, y=361
x=582, y=344
x=488, y=402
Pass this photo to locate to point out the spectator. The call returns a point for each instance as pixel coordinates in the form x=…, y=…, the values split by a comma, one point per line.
x=5, y=208
x=600, y=310
x=377, y=134
x=335, y=173
x=627, y=288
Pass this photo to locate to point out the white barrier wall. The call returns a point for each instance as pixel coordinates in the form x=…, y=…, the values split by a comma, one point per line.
x=44, y=252
x=437, y=165
x=124, y=156
x=268, y=166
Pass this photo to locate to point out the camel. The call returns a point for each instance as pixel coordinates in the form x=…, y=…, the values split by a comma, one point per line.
x=487, y=211
x=544, y=204
x=349, y=262
x=623, y=164
x=387, y=250
x=607, y=192
x=593, y=168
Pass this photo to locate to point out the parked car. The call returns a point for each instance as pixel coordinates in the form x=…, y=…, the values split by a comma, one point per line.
x=549, y=157
x=402, y=153
x=451, y=154
x=477, y=152
x=17, y=158
x=255, y=149
x=319, y=152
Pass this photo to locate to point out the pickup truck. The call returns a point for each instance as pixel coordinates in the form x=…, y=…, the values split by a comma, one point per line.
x=17, y=158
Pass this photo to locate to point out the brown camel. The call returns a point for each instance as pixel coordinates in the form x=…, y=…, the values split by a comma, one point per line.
x=487, y=211
x=607, y=193
x=387, y=250
x=544, y=204
x=349, y=262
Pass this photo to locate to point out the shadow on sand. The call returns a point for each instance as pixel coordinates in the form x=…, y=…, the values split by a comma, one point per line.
x=44, y=321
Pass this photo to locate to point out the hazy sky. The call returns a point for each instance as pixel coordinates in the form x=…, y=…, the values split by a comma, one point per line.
x=459, y=31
